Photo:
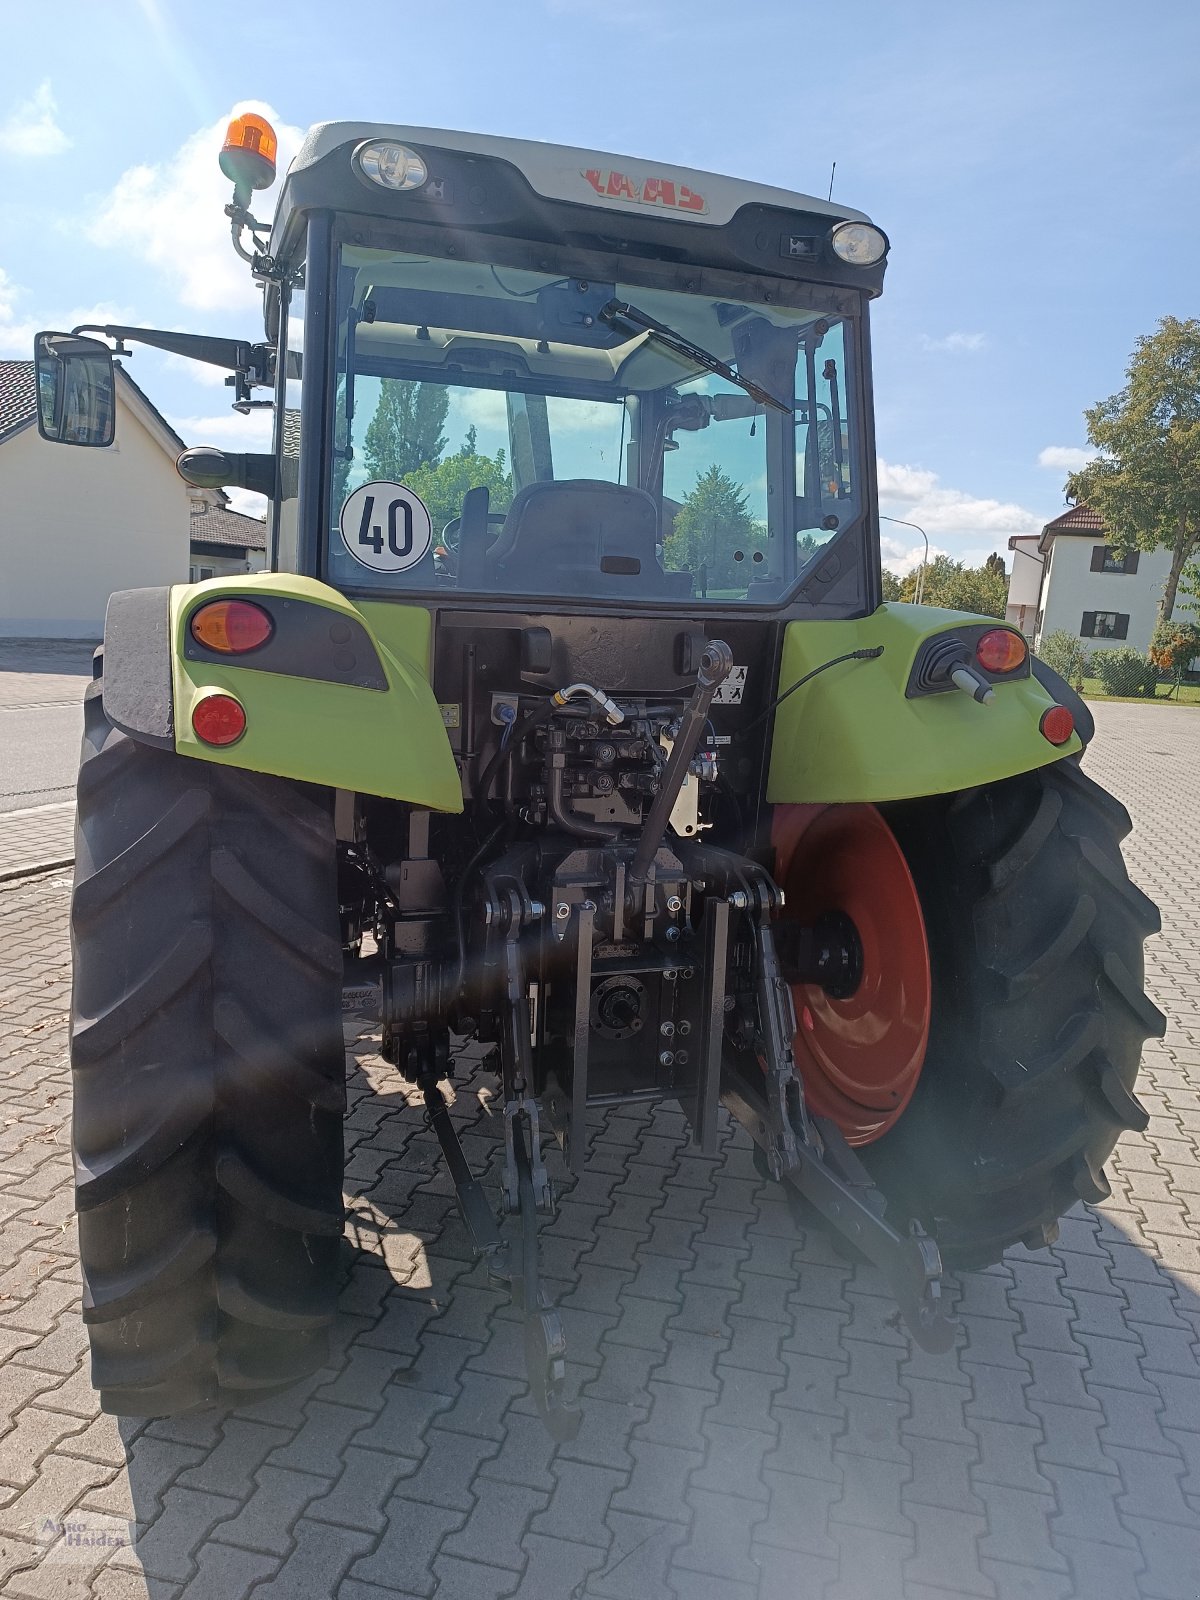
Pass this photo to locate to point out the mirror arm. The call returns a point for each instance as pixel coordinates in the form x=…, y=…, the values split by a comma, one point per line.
x=236, y=355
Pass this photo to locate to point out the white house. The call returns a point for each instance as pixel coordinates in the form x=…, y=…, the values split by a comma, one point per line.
x=75, y=524
x=1086, y=588
x=223, y=542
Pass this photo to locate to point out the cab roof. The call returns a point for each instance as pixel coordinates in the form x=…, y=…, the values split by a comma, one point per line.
x=585, y=177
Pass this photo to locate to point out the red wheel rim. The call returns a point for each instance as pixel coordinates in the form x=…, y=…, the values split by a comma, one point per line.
x=860, y=1058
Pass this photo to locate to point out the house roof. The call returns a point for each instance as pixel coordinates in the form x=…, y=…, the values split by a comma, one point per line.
x=18, y=404
x=1015, y=540
x=218, y=525
x=1080, y=520
x=18, y=396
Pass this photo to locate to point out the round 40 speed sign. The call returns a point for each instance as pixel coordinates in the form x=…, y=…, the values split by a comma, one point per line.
x=386, y=527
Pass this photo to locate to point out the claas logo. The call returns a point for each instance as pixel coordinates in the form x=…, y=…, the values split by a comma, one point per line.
x=663, y=192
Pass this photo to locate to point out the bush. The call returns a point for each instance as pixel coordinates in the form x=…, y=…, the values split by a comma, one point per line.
x=1124, y=672
x=1174, y=645
x=1063, y=653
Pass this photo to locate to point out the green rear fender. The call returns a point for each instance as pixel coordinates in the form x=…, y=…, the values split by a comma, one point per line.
x=378, y=730
x=852, y=735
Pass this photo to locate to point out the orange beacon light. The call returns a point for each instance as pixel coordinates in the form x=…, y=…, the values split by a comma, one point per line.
x=248, y=155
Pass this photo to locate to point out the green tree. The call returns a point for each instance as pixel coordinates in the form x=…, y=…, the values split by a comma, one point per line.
x=1174, y=645
x=712, y=526
x=1064, y=653
x=406, y=430
x=1145, y=483
x=891, y=585
x=983, y=590
x=443, y=486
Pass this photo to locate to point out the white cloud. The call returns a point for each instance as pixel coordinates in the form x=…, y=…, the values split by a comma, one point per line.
x=1065, y=457
x=30, y=128
x=917, y=495
x=172, y=217
x=902, y=558
x=17, y=327
x=955, y=344
x=230, y=428
x=247, y=502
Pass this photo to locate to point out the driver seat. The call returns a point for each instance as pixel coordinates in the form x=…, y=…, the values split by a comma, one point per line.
x=580, y=537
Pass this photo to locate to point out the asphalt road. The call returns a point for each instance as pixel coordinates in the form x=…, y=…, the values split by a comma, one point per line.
x=41, y=720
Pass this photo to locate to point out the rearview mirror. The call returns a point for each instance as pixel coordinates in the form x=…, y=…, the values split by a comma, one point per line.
x=76, y=389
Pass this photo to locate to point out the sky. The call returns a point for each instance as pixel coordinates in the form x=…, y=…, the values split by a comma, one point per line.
x=1034, y=165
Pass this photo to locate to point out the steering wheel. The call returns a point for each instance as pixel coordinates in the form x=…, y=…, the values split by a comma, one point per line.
x=455, y=523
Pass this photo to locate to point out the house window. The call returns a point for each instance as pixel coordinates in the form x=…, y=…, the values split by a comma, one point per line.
x=198, y=574
x=1106, y=559
x=1105, y=625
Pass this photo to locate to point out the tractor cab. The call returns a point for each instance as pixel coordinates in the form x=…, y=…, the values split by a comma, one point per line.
x=600, y=381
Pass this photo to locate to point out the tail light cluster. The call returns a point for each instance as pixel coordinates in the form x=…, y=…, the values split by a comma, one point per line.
x=229, y=628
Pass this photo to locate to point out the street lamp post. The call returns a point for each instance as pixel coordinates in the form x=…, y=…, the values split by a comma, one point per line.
x=919, y=593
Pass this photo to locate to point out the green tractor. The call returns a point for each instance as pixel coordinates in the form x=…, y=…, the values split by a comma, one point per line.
x=569, y=719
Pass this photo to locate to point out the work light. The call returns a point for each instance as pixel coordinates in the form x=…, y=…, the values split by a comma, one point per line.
x=391, y=165
x=859, y=244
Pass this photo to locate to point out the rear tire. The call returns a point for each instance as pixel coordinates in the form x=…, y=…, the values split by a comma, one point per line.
x=1038, y=1011
x=209, y=1075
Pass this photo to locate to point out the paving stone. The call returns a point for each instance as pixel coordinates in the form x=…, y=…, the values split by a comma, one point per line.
x=659, y=1480
x=869, y=1563
x=637, y=1559
x=1087, y=1505
x=167, y=1547
x=806, y=1446
x=1070, y=1437
x=229, y=1469
x=403, y=1559
x=799, y=1514
x=357, y=1498
x=319, y=1561
x=1018, y=1519
x=1014, y=1581
x=1170, y=1553
x=677, y=1415
x=447, y=1470
x=734, y=1461
x=690, y=1360
x=1154, y=1490
x=1101, y=1571
x=579, y=1503
x=493, y=1531
x=719, y=1545
x=947, y=1554
x=400, y=1426
x=941, y=1476
x=223, y=1572
x=34, y=1435
x=1008, y=1455
x=61, y=1482
x=557, y=1568
x=481, y=1406
x=781, y=1573
x=525, y=1455
x=468, y=1580
x=266, y=1519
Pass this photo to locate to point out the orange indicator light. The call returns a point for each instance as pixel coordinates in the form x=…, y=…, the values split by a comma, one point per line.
x=231, y=626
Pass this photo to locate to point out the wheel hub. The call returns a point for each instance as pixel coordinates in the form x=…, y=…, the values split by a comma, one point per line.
x=853, y=947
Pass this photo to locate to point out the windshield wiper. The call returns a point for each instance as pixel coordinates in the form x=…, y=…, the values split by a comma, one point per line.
x=621, y=311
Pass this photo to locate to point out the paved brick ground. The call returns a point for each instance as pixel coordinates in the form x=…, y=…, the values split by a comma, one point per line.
x=755, y=1428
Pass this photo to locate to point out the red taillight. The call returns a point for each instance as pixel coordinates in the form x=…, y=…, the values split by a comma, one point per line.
x=231, y=626
x=1057, y=724
x=1001, y=650
x=218, y=719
